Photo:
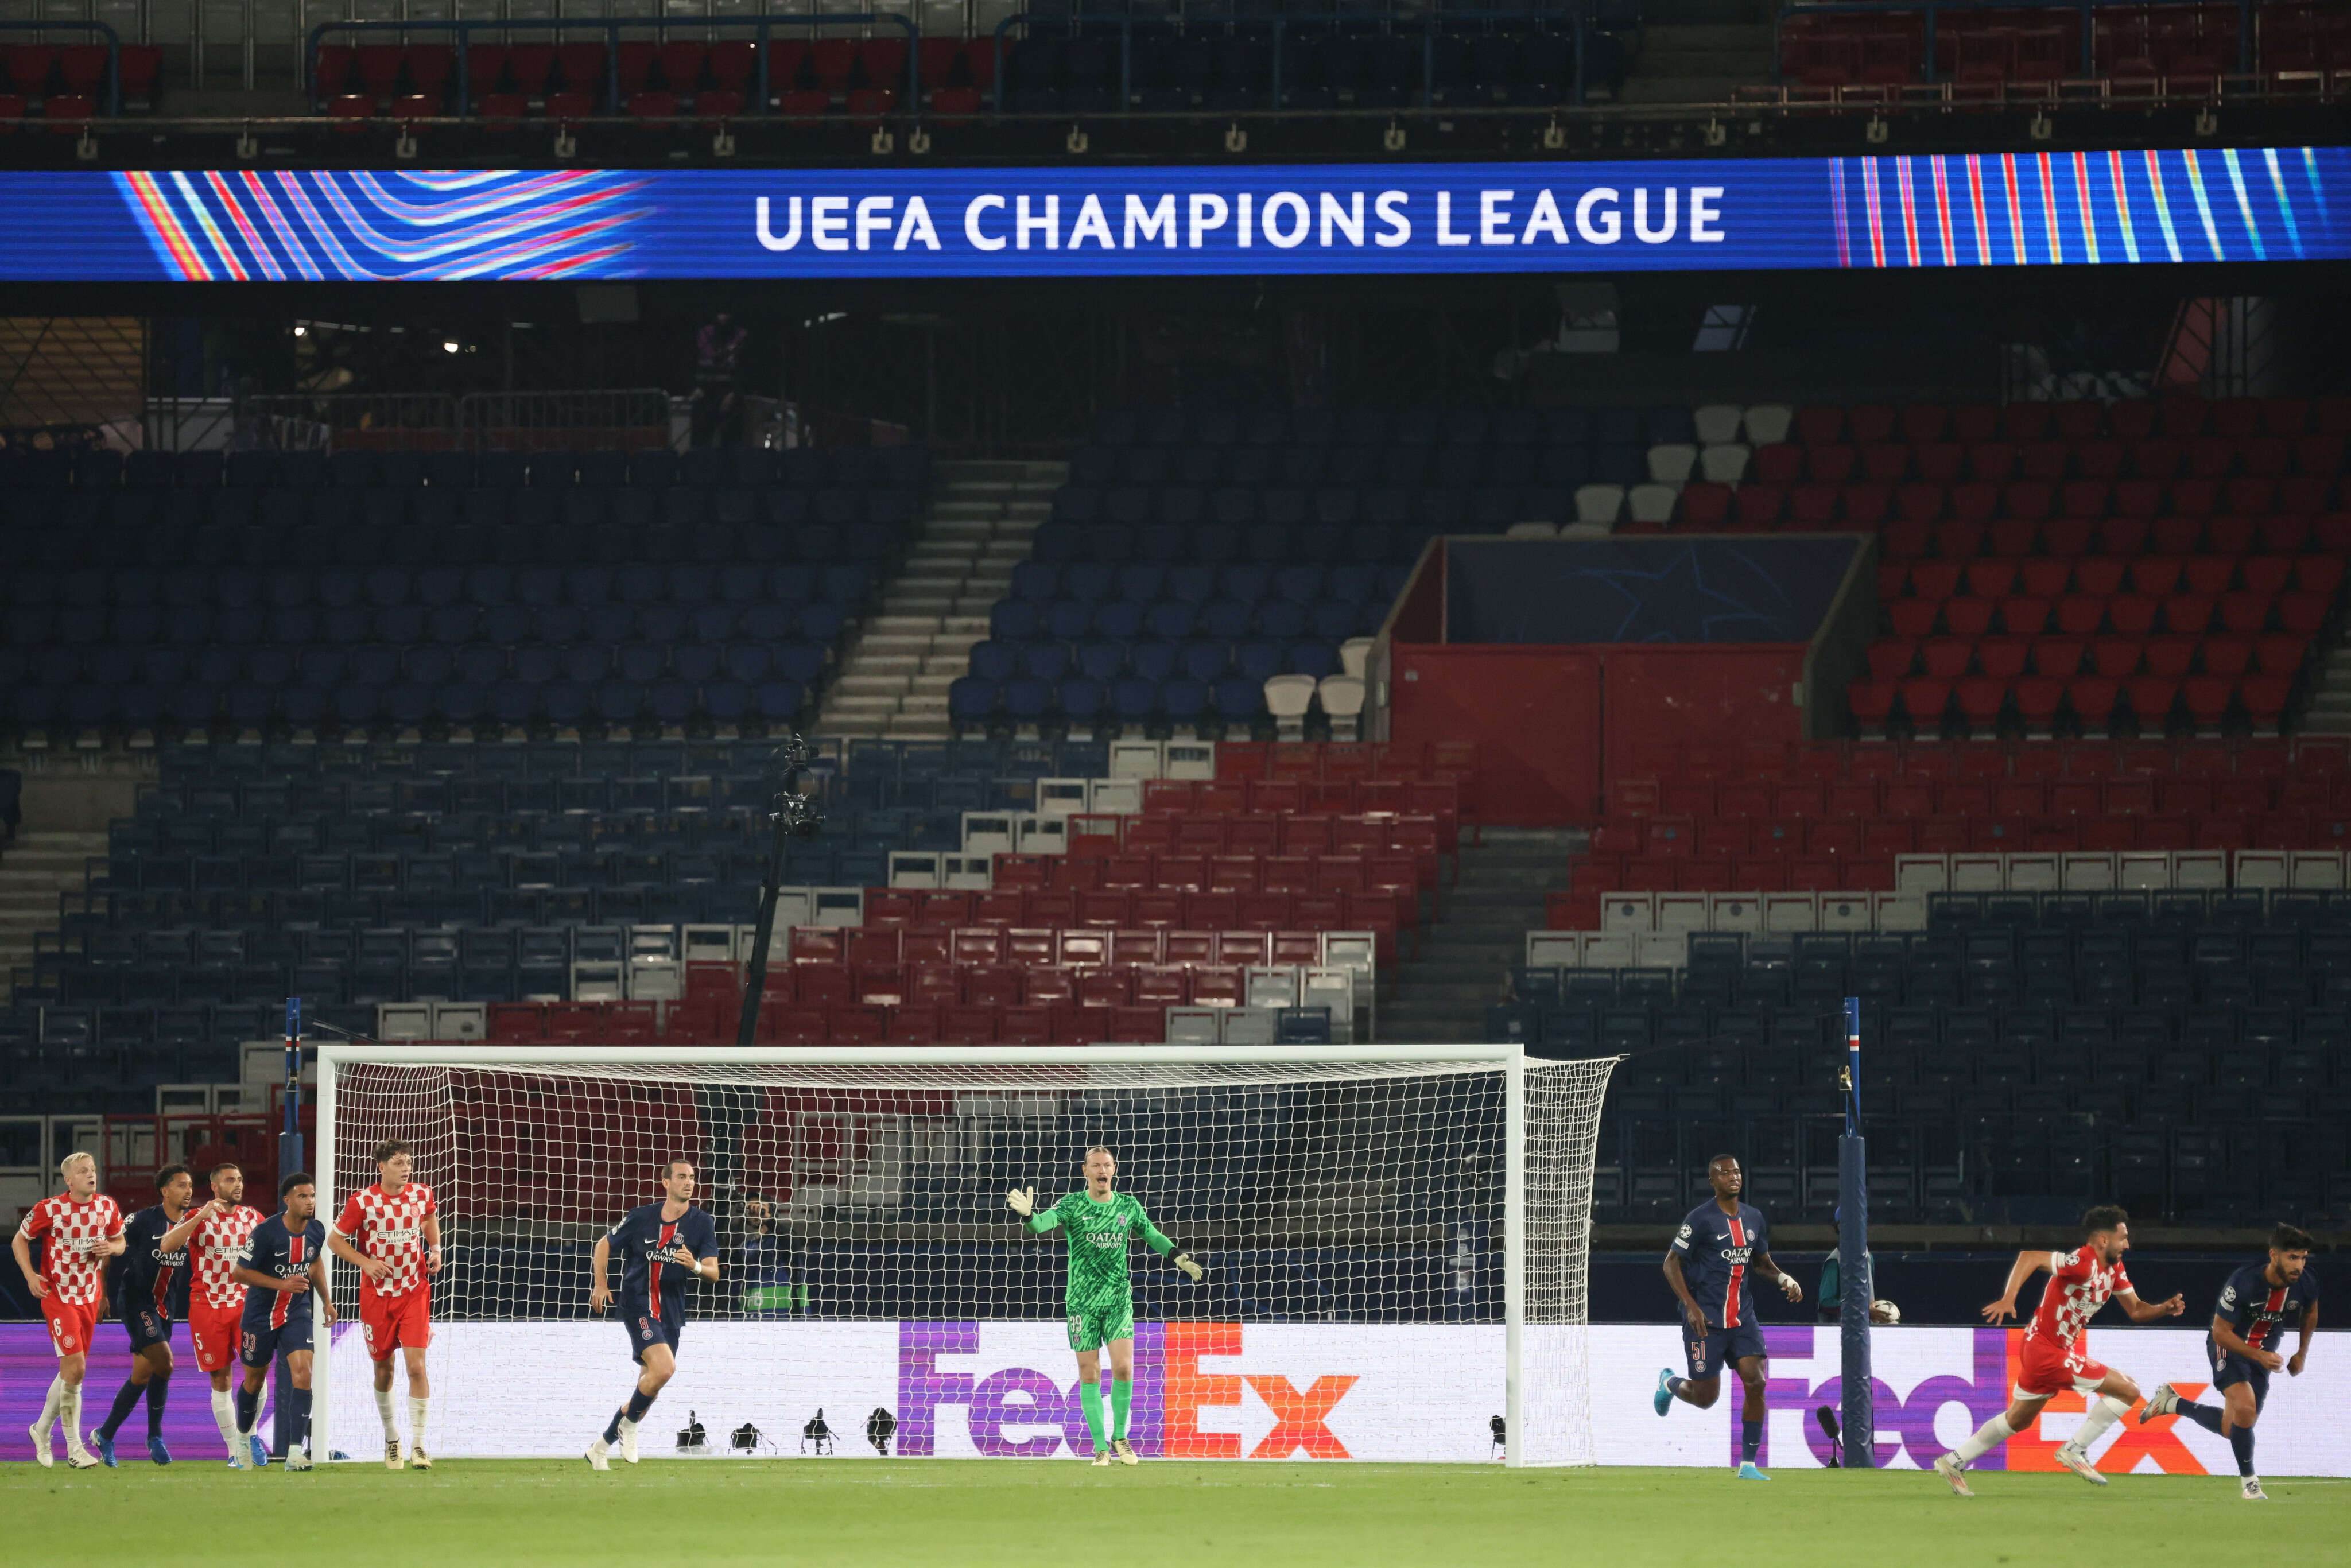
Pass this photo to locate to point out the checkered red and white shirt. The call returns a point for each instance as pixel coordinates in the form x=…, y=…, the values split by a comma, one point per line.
x=69, y=1230
x=219, y=1244
x=390, y=1226
x=2079, y=1284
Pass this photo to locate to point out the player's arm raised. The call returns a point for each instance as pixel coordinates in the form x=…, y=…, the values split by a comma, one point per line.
x=600, y=1275
x=2147, y=1311
x=2027, y=1264
x=2309, y=1326
x=180, y=1235
x=1022, y=1201
x=701, y=1268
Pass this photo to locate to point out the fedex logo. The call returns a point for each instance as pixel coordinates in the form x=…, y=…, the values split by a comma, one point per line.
x=1913, y=1429
x=1180, y=1410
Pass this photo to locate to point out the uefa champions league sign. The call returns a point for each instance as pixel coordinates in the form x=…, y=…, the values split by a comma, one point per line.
x=1077, y=220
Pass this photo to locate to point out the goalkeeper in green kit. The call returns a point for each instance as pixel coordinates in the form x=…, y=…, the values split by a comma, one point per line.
x=1101, y=1300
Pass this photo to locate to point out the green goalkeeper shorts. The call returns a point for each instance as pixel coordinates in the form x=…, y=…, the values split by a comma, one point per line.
x=1091, y=1327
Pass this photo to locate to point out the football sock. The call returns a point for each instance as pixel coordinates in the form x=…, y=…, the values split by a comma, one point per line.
x=1985, y=1438
x=1750, y=1438
x=2242, y=1440
x=1674, y=1385
x=1122, y=1397
x=71, y=1416
x=416, y=1407
x=298, y=1415
x=1090, y=1395
x=157, y=1387
x=2205, y=1415
x=248, y=1408
x=385, y=1408
x=224, y=1417
x=633, y=1412
x=2104, y=1414
x=126, y=1400
x=55, y=1402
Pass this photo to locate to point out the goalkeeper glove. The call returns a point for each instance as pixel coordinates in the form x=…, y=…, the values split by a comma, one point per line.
x=1192, y=1270
x=1022, y=1200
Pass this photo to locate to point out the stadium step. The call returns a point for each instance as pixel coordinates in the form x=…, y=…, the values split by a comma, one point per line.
x=978, y=526
x=2329, y=712
x=1465, y=955
x=34, y=867
x=1697, y=64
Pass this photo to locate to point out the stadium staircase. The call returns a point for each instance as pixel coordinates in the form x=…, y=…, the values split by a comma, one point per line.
x=2330, y=701
x=978, y=523
x=1700, y=62
x=34, y=870
x=1480, y=934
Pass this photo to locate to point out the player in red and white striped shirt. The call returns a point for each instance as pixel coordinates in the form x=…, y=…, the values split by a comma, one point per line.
x=221, y=1234
x=78, y=1231
x=390, y=1233
x=2054, y=1358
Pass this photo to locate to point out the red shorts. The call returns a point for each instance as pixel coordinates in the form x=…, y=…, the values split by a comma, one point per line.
x=214, y=1332
x=71, y=1324
x=2045, y=1367
x=392, y=1322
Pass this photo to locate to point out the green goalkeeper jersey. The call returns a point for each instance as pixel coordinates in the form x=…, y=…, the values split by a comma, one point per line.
x=1097, y=1235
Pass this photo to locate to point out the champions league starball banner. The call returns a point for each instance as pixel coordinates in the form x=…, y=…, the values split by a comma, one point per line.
x=1937, y=210
x=1246, y=1392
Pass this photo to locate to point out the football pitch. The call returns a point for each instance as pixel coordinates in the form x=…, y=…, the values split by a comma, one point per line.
x=1061, y=1515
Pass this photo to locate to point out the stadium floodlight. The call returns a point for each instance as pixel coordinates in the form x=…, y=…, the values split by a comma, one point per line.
x=1414, y=1219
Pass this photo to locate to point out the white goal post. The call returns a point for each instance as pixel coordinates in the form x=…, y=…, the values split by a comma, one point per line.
x=1396, y=1241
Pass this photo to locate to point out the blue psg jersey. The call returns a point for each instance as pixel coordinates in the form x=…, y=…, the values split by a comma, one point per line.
x=645, y=1242
x=2260, y=1312
x=280, y=1251
x=151, y=1278
x=1715, y=1249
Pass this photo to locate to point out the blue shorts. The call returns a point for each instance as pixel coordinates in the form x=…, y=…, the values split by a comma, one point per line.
x=1721, y=1347
x=646, y=1331
x=257, y=1344
x=146, y=1326
x=2229, y=1370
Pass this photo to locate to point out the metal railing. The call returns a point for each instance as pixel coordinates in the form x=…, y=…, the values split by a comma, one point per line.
x=538, y=421
x=113, y=40
x=1432, y=24
x=762, y=27
x=1932, y=10
x=441, y=421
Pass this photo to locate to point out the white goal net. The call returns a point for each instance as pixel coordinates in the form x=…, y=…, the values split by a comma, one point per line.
x=1389, y=1270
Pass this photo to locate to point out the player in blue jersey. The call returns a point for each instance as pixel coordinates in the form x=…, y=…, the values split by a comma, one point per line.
x=283, y=1272
x=662, y=1246
x=150, y=1294
x=1722, y=1245
x=2247, y=1321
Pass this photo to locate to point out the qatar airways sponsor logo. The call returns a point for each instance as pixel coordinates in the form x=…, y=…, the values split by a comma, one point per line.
x=1487, y=217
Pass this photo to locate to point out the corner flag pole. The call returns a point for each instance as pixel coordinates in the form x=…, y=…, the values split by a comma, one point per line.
x=1852, y=1257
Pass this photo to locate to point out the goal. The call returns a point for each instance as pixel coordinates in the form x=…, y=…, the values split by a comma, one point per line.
x=1395, y=1239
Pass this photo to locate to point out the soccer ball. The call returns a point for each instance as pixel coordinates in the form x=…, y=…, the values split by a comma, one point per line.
x=1887, y=1313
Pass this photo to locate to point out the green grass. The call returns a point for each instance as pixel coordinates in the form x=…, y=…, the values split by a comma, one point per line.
x=848, y=1514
